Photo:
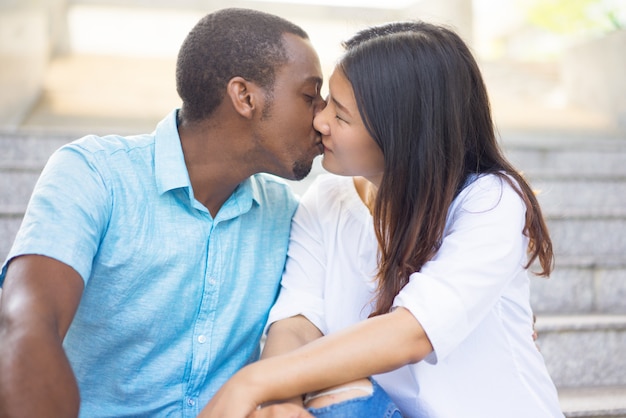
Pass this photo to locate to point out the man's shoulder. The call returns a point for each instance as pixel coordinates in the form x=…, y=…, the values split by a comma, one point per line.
x=111, y=143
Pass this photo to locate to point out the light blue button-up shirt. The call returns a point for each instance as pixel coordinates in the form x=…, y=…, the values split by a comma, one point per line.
x=175, y=301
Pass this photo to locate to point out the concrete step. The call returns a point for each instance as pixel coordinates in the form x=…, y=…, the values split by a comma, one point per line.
x=583, y=350
x=10, y=221
x=580, y=289
x=589, y=239
x=31, y=146
x=16, y=184
x=567, y=156
x=577, y=197
x=594, y=402
x=581, y=184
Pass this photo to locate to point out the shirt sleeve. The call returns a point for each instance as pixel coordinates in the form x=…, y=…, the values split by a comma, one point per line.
x=483, y=249
x=67, y=212
x=302, y=285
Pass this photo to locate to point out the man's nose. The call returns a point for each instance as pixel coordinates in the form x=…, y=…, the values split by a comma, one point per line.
x=320, y=105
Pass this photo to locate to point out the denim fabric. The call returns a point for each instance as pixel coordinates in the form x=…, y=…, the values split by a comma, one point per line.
x=376, y=405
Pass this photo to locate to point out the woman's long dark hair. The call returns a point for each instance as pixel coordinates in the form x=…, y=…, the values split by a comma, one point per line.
x=422, y=98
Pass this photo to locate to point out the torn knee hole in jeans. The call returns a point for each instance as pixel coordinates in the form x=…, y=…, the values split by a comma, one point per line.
x=332, y=396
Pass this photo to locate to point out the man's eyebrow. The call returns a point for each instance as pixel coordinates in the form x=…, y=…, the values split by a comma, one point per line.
x=315, y=80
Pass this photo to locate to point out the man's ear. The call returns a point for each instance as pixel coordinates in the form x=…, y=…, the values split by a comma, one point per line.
x=244, y=96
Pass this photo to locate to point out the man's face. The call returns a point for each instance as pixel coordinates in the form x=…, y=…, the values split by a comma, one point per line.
x=285, y=133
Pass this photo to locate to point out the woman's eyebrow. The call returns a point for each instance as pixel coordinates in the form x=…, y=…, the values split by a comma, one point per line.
x=341, y=107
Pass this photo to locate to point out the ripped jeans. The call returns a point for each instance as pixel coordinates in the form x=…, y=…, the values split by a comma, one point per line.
x=375, y=405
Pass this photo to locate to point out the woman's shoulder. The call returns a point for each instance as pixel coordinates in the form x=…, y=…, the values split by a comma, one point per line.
x=486, y=191
x=329, y=187
x=329, y=180
x=332, y=194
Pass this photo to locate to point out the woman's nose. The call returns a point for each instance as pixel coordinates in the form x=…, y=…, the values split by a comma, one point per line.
x=320, y=122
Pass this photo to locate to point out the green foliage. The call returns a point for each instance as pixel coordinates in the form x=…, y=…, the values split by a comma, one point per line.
x=576, y=16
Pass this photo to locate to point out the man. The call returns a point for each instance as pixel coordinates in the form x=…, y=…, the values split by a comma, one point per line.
x=145, y=266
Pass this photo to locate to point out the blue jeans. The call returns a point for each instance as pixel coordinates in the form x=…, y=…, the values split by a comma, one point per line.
x=376, y=405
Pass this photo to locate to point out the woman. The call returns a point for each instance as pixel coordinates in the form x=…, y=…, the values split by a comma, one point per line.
x=413, y=267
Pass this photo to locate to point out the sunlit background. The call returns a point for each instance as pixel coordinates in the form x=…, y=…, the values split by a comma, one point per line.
x=109, y=64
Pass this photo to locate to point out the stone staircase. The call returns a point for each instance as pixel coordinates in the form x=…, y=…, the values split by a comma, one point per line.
x=23, y=157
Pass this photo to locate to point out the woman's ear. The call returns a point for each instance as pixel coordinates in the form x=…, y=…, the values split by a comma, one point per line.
x=243, y=96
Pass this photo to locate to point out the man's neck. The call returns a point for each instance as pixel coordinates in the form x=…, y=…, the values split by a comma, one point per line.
x=214, y=162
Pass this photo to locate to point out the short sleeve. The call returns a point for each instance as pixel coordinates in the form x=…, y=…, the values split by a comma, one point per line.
x=67, y=212
x=483, y=249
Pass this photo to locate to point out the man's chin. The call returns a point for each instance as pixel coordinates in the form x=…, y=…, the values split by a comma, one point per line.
x=300, y=174
x=300, y=170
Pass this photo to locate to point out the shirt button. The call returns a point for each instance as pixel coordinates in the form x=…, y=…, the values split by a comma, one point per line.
x=202, y=339
x=212, y=281
x=191, y=402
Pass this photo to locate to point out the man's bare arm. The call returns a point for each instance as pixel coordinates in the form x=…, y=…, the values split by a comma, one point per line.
x=39, y=300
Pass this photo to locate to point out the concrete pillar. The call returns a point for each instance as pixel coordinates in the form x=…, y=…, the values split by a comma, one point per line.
x=594, y=75
x=24, y=53
x=58, y=29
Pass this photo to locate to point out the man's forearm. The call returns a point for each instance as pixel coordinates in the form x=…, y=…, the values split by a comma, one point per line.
x=288, y=334
x=36, y=379
x=39, y=299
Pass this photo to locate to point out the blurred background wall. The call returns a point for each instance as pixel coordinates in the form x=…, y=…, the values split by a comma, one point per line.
x=90, y=64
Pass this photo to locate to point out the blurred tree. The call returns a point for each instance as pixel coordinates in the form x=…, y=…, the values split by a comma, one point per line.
x=577, y=16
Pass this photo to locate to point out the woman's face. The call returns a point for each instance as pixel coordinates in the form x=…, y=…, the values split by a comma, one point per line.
x=349, y=150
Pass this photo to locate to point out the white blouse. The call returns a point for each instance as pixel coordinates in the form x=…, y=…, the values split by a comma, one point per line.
x=472, y=299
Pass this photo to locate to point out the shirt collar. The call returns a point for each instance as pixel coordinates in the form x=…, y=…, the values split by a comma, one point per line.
x=171, y=171
x=169, y=162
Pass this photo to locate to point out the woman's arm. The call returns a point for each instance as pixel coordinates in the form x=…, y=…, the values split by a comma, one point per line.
x=376, y=345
